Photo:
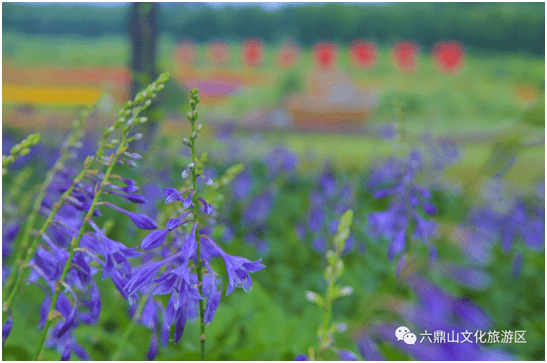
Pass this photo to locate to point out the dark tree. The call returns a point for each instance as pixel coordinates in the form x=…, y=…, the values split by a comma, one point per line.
x=143, y=31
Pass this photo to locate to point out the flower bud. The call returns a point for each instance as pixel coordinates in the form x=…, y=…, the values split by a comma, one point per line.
x=192, y=103
x=311, y=296
x=143, y=119
x=25, y=151
x=189, y=117
x=138, y=136
x=191, y=166
x=187, y=142
x=194, y=135
x=199, y=127
x=148, y=102
x=346, y=291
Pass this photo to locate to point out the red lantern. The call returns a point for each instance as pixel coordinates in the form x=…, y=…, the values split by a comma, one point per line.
x=363, y=54
x=325, y=55
x=186, y=53
x=219, y=52
x=404, y=55
x=288, y=55
x=252, y=52
x=448, y=56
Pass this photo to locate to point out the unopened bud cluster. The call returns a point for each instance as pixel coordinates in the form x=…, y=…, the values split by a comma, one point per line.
x=332, y=273
x=18, y=150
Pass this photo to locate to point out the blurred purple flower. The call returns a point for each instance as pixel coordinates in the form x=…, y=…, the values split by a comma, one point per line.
x=242, y=185
x=259, y=208
x=281, y=160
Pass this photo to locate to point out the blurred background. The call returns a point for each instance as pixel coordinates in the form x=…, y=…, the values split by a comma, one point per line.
x=468, y=70
x=310, y=97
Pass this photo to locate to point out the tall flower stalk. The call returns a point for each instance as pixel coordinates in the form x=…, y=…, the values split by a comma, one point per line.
x=141, y=102
x=192, y=252
x=192, y=117
x=333, y=271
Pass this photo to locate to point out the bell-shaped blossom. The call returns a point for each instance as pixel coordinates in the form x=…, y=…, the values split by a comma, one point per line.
x=214, y=294
x=238, y=268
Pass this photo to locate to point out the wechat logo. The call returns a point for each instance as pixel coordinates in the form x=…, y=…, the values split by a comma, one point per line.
x=404, y=334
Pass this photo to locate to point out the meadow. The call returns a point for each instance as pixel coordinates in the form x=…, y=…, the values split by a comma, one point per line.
x=447, y=230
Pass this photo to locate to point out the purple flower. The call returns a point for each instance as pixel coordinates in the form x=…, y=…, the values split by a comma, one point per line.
x=301, y=357
x=406, y=197
x=347, y=355
x=319, y=244
x=140, y=220
x=242, y=185
x=437, y=309
x=206, y=206
x=259, y=208
x=214, y=294
x=190, y=245
x=281, y=159
x=154, y=239
x=178, y=283
x=143, y=276
x=316, y=219
x=368, y=349
x=238, y=268
x=6, y=328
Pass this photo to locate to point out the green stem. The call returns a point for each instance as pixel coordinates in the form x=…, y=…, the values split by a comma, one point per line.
x=75, y=242
x=129, y=328
x=200, y=284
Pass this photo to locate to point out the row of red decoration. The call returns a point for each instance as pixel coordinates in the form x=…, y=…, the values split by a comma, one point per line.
x=448, y=56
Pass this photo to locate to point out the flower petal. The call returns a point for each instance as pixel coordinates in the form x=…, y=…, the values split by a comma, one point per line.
x=154, y=239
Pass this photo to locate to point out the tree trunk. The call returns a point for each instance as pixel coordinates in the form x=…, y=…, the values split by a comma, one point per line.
x=143, y=31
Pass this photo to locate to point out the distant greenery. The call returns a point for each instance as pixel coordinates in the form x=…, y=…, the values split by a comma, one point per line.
x=504, y=27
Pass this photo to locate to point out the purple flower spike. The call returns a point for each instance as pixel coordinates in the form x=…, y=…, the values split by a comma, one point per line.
x=301, y=357
x=154, y=239
x=206, y=206
x=172, y=194
x=140, y=220
x=347, y=355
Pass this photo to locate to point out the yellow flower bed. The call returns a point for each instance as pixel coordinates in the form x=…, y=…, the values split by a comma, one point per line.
x=49, y=96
